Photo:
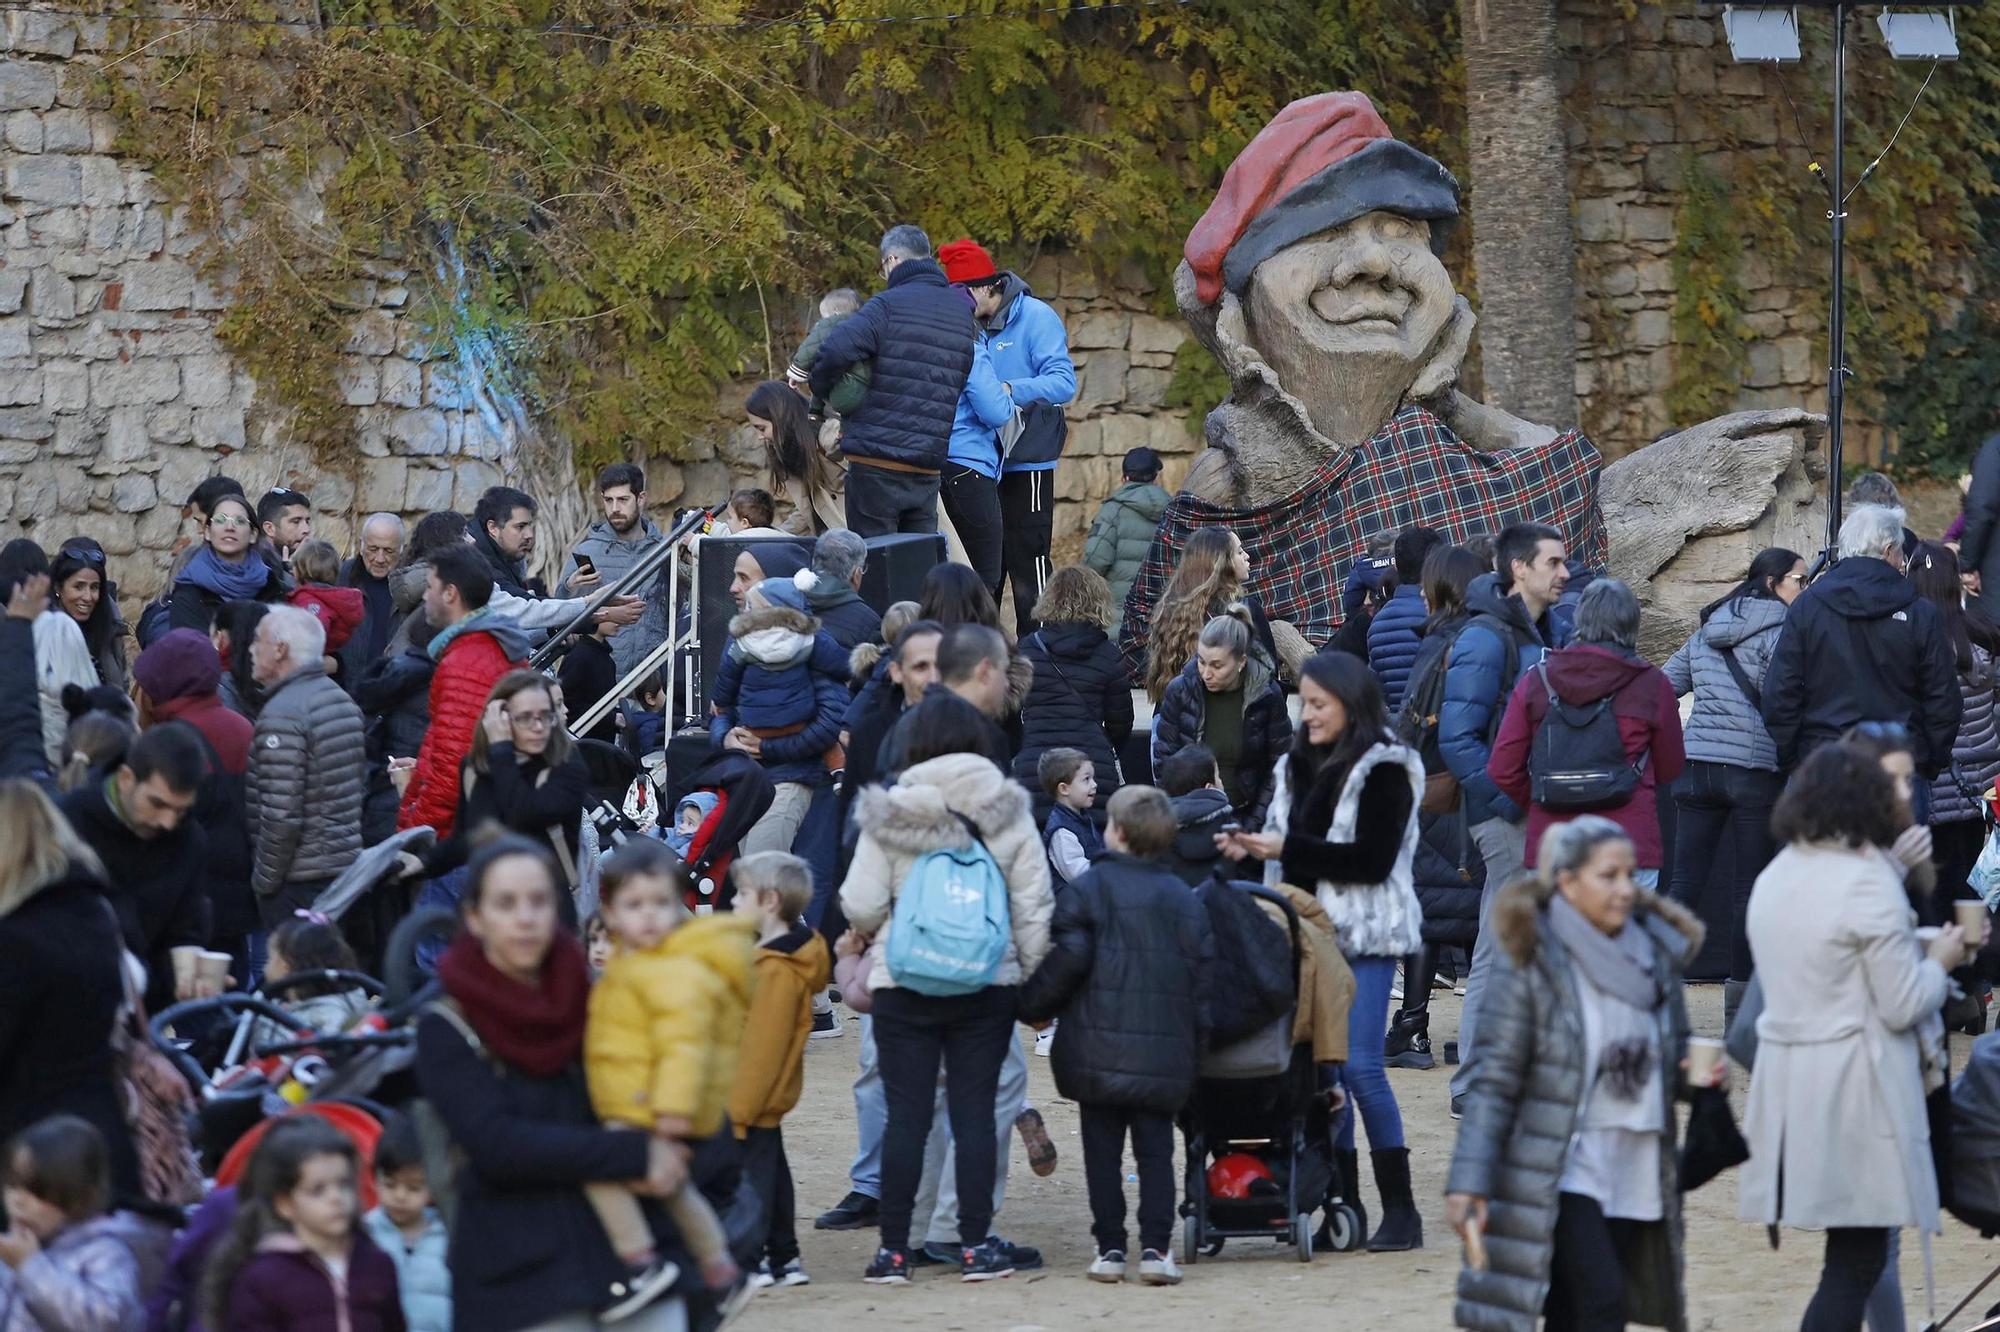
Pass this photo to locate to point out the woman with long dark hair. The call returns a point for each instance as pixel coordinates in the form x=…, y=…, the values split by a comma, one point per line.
x=800, y=470
x=953, y=594
x=1732, y=780
x=1344, y=816
x=1207, y=581
x=1958, y=824
x=233, y=630
x=83, y=590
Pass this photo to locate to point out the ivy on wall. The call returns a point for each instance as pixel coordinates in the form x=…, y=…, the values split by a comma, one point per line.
x=625, y=213
x=1709, y=333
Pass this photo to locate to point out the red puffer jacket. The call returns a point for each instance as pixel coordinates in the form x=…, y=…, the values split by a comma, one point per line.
x=472, y=664
x=339, y=610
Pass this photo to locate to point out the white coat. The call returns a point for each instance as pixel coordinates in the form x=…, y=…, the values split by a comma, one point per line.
x=1836, y=1108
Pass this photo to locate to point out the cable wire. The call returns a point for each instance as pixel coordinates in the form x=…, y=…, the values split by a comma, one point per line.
x=1869, y=170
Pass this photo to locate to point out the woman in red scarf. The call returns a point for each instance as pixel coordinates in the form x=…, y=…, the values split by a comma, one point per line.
x=499, y=1059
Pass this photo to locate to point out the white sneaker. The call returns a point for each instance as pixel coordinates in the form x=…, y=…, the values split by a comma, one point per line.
x=761, y=1276
x=1159, y=1269
x=825, y=1026
x=1108, y=1268
x=791, y=1274
x=1045, y=1041
x=1459, y=989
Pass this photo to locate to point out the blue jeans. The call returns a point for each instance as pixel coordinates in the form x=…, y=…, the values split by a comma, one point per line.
x=1363, y=1075
x=871, y=1116
x=1503, y=846
x=817, y=842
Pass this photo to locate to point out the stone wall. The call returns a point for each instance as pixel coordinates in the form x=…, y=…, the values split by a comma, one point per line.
x=116, y=397
x=1644, y=94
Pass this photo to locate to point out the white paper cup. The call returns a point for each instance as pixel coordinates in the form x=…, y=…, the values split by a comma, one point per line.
x=1972, y=918
x=1704, y=1056
x=185, y=958
x=212, y=971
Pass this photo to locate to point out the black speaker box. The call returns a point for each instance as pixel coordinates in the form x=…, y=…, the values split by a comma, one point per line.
x=715, y=565
x=897, y=565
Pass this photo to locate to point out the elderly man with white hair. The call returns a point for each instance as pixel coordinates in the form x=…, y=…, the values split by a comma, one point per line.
x=308, y=768
x=381, y=545
x=1860, y=645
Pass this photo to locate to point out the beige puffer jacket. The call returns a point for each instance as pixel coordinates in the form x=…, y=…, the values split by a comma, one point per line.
x=900, y=823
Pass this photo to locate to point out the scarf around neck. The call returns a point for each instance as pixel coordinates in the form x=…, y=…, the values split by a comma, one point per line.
x=232, y=582
x=1619, y=964
x=536, y=1028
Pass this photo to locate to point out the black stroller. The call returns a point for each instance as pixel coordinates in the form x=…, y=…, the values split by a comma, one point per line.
x=1972, y=1164
x=1258, y=1097
x=743, y=793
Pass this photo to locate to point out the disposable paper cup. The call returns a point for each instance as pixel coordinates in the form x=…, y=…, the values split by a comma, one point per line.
x=1704, y=1054
x=185, y=959
x=212, y=971
x=1972, y=919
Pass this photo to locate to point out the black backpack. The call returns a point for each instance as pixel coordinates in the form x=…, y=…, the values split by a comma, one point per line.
x=1423, y=698
x=1577, y=762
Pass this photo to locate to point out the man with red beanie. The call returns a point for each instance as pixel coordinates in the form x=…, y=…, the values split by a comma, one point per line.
x=1008, y=436
x=918, y=333
x=1315, y=280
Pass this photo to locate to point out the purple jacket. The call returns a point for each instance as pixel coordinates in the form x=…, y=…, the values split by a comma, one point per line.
x=86, y=1280
x=176, y=1301
x=286, y=1288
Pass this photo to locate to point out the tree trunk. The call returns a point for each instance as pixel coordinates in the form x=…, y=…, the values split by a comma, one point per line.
x=1521, y=239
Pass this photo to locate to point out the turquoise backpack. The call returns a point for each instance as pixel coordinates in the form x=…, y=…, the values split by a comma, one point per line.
x=951, y=921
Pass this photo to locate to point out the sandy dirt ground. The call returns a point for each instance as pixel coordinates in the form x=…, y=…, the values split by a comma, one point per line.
x=1736, y=1283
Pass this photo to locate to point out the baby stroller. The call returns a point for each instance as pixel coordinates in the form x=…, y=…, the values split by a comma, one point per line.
x=744, y=793
x=1972, y=1169
x=1259, y=1134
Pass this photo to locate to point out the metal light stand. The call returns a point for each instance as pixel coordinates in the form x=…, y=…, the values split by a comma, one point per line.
x=1836, y=332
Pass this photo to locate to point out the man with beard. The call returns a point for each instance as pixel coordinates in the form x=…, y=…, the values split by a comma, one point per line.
x=1315, y=280
x=503, y=535
x=612, y=545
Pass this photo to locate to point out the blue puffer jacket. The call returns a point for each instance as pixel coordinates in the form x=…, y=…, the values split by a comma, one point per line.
x=1393, y=639
x=1476, y=686
x=423, y=1277
x=918, y=332
x=982, y=409
x=1725, y=726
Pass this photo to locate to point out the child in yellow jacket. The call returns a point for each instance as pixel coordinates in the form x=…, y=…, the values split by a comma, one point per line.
x=660, y=1048
x=773, y=889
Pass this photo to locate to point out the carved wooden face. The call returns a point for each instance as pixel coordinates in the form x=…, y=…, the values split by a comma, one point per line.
x=1369, y=288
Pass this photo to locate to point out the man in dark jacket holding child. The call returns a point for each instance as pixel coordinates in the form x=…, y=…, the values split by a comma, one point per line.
x=917, y=332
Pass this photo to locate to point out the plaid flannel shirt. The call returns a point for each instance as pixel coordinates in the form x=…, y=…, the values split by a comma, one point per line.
x=1413, y=471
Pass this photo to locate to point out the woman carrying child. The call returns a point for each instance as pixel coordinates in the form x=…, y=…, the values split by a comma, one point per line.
x=1344, y=817
x=500, y=1059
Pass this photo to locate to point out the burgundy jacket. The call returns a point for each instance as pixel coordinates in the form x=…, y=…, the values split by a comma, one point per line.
x=1649, y=722
x=286, y=1288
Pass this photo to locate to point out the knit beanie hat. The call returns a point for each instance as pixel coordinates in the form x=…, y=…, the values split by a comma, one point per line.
x=784, y=592
x=181, y=663
x=966, y=261
x=780, y=559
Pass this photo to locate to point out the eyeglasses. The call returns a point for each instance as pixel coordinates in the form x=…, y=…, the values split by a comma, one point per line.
x=229, y=524
x=530, y=721
x=1894, y=733
x=91, y=554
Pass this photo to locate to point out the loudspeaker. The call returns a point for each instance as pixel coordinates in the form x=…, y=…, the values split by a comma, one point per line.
x=715, y=566
x=897, y=565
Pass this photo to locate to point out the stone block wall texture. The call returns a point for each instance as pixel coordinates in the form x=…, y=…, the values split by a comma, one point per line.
x=116, y=397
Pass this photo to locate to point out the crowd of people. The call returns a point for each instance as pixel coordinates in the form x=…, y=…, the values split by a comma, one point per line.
x=1468, y=786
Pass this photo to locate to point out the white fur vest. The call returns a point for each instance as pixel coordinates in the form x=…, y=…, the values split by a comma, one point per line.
x=1372, y=919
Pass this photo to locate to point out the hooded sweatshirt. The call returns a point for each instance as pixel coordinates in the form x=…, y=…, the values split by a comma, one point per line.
x=339, y=610
x=1860, y=645
x=771, y=1066
x=1649, y=722
x=842, y=613
x=1200, y=815
x=1022, y=357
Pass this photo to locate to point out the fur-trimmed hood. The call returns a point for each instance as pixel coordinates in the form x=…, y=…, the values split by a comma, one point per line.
x=774, y=637
x=915, y=816
x=863, y=660
x=1518, y=912
x=1020, y=679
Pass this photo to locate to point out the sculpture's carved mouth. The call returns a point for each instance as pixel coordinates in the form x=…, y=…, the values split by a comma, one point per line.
x=1375, y=311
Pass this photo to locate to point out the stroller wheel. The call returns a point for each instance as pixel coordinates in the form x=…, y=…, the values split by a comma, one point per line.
x=1190, y=1239
x=1341, y=1230
x=1302, y=1235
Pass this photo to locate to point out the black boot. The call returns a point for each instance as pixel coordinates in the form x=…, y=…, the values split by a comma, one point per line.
x=1347, y=1179
x=1408, y=1044
x=1401, y=1227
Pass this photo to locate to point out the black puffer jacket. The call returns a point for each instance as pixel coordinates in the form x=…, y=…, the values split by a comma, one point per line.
x=1450, y=875
x=1080, y=698
x=395, y=696
x=918, y=333
x=1127, y=965
x=1860, y=645
x=1181, y=720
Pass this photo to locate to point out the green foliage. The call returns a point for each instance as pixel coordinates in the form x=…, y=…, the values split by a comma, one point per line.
x=622, y=214
x=1709, y=333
